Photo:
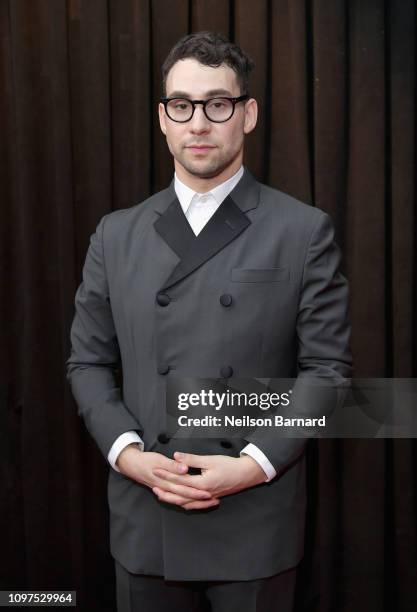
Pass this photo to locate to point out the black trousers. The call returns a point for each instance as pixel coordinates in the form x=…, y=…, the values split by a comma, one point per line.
x=139, y=593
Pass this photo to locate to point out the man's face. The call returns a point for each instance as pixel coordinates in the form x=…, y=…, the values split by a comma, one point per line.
x=220, y=144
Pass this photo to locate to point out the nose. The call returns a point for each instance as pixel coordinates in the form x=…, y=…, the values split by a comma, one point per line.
x=199, y=122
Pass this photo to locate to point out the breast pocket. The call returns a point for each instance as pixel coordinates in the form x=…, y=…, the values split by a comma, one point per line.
x=260, y=275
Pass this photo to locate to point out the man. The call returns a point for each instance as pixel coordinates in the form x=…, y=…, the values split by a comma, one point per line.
x=217, y=276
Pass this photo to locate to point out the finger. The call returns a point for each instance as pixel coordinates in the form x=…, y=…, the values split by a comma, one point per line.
x=201, y=505
x=170, y=498
x=189, y=459
x=184, y=491
x=196, y=481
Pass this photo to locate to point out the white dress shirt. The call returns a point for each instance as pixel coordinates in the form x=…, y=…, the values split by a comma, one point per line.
x=198, y=209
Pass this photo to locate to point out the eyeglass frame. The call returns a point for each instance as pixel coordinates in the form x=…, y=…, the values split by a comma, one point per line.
x=204, y=103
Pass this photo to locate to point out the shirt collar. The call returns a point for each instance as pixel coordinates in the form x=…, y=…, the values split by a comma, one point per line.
x=185, y=194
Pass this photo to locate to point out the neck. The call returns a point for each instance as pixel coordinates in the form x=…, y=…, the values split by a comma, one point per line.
x=204, y=184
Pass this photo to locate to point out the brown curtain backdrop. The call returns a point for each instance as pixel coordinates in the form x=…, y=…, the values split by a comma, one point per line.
x=79, y=85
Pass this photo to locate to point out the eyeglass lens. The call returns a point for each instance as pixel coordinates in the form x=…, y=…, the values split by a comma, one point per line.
x=217, y=109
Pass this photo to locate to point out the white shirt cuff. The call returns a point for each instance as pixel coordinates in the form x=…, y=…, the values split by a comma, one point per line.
x=129, y=437
x=256, y=453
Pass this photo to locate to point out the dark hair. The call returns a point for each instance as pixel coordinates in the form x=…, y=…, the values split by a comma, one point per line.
x=210, y=49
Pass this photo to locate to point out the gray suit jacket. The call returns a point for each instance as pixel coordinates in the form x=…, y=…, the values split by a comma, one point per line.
x=149, y=306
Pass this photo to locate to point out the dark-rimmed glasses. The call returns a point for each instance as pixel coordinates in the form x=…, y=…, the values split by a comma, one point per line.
x=218, y=109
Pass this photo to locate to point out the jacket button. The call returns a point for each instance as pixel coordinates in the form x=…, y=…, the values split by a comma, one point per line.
x=226, y=371
x=163, y=438
x=163, y=299
x=226, y=299
x=226, y=444
x=163, y=368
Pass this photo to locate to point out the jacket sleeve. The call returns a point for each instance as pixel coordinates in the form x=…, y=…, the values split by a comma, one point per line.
x=94, y=363
x=323, y=354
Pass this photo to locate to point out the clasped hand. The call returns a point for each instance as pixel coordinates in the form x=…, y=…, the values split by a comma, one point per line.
x=220, y=475
x=168, y=478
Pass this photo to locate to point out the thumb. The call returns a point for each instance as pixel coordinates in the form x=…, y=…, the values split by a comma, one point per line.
x=174, y=466
x=198, y=461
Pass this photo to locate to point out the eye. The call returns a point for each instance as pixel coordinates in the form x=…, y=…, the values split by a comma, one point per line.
x=218, y=104
x=179, y=105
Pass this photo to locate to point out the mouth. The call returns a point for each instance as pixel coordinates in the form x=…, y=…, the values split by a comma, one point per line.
x=200, y=148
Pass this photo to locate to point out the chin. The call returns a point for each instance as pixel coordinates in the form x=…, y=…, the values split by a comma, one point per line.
x=204, y=171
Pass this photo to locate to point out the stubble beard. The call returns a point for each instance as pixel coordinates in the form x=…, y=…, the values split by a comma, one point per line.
x=206, y=168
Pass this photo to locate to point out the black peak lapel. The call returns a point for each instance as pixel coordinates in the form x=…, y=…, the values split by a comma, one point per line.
x=224, y=226
x=246, y=193
x=227, y=223
x=174, y=228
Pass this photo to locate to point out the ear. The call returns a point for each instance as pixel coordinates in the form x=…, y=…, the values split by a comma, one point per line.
x=162, y=118
x=251, y=115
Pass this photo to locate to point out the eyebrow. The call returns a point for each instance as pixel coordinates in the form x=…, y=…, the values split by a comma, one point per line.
x=211, y=92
